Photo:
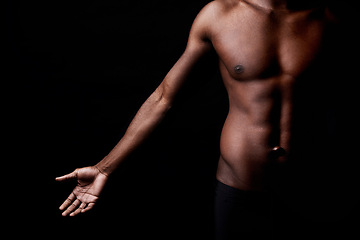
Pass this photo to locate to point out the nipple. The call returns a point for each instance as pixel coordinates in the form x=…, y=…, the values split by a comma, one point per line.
x=239, y=68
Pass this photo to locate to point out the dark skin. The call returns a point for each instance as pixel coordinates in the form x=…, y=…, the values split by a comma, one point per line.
x=263, y=46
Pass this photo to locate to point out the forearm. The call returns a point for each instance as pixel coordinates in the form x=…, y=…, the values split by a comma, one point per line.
x=145, y=121
x=155, y=107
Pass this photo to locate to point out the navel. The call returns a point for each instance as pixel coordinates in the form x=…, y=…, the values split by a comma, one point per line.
x=239, y=69
x=277, y=152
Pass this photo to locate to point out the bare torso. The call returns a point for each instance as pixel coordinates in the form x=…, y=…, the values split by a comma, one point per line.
x=261, y=55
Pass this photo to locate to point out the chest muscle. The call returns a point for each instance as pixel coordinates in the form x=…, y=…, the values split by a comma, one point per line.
x=264, y=46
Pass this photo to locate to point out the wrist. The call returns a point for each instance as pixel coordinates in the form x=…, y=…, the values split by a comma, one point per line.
x=101, y=170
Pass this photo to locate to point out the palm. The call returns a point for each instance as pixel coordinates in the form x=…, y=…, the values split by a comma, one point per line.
x=90, y=184
x=88, y=189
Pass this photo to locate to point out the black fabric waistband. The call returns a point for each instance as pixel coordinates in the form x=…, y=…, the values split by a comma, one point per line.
x=231, y=192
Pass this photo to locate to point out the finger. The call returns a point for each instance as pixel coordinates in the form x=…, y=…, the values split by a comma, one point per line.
x=67, y=176
x=71, y=208
x=77, y=211
x=88, y=207
x=68, y=201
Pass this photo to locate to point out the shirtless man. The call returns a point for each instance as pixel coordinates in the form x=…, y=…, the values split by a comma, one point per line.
x=263, y=46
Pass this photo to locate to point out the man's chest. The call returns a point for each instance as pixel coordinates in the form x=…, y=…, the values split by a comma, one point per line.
x=263, y=46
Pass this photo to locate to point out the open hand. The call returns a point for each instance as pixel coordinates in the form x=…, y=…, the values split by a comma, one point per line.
x=90, y=183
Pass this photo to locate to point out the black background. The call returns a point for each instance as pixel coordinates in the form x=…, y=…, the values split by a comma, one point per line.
x=77, y=72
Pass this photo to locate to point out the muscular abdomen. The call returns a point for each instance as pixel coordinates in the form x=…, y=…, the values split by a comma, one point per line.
x=259, y=122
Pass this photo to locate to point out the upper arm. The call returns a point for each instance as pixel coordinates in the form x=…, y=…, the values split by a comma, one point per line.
x=198, y=45
x=199, y=37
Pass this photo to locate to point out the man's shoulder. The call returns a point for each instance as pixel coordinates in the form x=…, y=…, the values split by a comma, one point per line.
x=221, y=5
x=217, y=8
x=209, y=19
x=212, y=7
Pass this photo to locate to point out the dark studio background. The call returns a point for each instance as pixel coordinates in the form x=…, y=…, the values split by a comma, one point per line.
x=79, y=71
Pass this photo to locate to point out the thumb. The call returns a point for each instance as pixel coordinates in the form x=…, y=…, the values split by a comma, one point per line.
x=67, y=176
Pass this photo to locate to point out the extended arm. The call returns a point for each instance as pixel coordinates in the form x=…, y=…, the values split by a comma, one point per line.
x=160, y=101
x=145, y=121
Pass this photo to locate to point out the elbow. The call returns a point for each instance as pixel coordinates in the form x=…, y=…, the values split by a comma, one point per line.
x=162, y=101
x=165, y=103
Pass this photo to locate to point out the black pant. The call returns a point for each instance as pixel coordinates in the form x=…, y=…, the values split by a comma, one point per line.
x=242, y=214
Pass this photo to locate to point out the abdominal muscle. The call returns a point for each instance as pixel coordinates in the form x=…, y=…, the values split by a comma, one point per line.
x=247, y=152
